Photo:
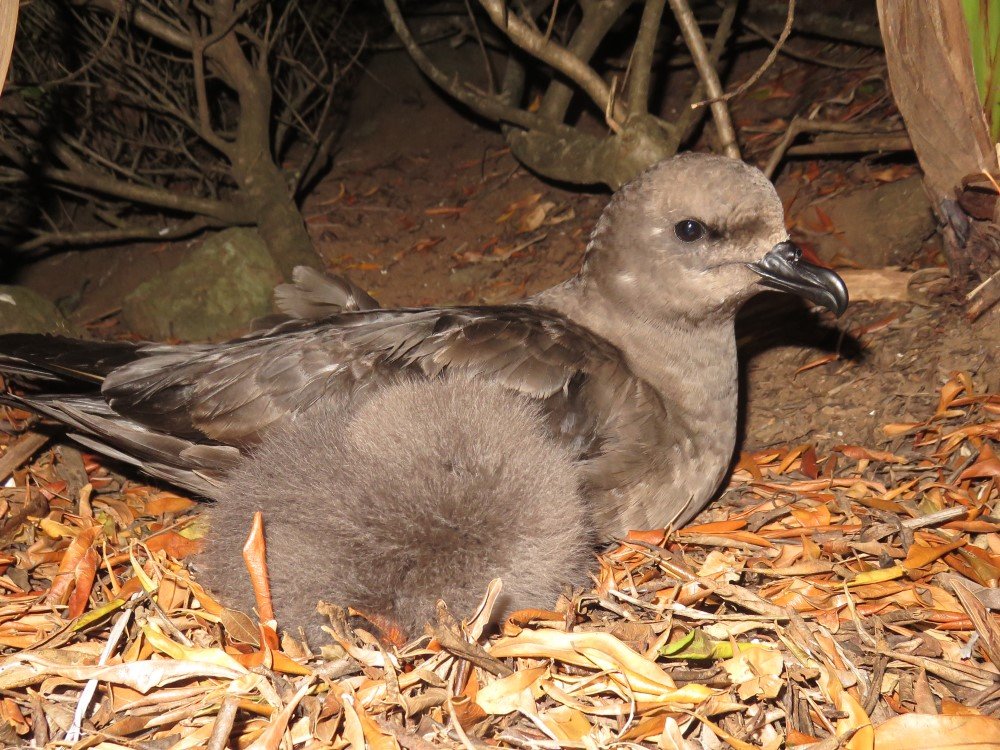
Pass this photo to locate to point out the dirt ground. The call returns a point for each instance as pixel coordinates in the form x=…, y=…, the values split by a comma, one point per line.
x=424, y=206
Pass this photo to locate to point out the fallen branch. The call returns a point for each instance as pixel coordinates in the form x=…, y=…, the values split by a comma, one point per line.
x=799, y=125
x=20, y=452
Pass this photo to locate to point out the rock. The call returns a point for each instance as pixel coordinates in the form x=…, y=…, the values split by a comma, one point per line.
x=212, y=295
x=878, y=225
x=25, y=311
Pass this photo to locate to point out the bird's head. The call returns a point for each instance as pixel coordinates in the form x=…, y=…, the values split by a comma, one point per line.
x=697, y=235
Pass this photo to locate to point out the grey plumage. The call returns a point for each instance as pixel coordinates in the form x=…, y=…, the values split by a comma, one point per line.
x=429, y=490
x=632, y=362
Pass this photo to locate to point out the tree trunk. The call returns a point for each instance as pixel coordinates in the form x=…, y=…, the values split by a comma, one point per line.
x=927, y=51
x=262, y=184
x=279, y=220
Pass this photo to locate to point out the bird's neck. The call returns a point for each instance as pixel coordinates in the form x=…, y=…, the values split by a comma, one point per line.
x=692, y=364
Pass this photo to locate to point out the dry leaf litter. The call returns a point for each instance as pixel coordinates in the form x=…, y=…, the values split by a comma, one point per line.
x=841, y=601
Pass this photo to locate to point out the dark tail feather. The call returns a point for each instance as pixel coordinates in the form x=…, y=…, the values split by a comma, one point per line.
x=424, y=490
x=61, y=359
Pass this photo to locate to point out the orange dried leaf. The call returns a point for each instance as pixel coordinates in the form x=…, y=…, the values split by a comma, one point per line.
x=84, y=574
x=987, y=465
x=920, y=555
x=716, y=527
x=255, y=559
x=71, y=559
x=174, y=545
x=818, y=362
x=168, y=504
x=937, y=732
x=859, y=453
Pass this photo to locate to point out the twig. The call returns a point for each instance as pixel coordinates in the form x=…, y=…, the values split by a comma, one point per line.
x=786, y=49
x=983, y=297
x=87, y=695
x=80, y=175
x=871, y=143
x=689, y=118
x=771, y=57
x=490, y=78
x=223, y=725
x=124, y=234
x=448, y=633
x=696, y=44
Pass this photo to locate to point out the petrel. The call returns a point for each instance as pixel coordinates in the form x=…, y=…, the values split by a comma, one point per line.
x=626, y=374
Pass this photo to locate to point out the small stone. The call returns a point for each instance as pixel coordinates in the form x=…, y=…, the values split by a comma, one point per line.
x=211, y=296
x=25, y=311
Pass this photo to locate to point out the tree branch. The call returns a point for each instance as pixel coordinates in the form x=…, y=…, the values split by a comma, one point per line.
x=490, y=107
x=150, y=23
x=688, y=119
x=768, y=61
x=696, y=44
x=560, y=58
x=121, y=234
x=598, y=18
x=641, y=66
x=80, y=175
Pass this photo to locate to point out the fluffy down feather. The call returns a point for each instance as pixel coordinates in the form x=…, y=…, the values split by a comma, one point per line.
x=415, y=491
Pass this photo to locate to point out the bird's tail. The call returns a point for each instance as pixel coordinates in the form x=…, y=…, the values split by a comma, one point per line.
x=418, y=491
x=72, y=362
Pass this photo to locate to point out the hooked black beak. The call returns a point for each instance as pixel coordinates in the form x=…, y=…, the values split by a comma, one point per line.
x=784, y=269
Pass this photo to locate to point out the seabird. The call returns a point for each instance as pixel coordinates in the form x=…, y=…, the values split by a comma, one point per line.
x=630, y=367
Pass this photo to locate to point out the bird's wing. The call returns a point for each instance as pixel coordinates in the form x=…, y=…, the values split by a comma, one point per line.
x=230, y=392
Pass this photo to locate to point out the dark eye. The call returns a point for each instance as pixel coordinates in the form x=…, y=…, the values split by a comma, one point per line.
x=689, y=230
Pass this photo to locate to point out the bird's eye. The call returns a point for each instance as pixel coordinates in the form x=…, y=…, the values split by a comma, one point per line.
x=689, y=230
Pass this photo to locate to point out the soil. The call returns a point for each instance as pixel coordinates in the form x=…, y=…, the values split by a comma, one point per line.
x=425, y=206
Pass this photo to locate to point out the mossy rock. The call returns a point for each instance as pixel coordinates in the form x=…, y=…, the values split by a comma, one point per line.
x=25, y=311
x=212, y=295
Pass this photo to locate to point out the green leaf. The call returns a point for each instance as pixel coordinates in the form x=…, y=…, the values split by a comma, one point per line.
x=697, y=646
x=982, y=17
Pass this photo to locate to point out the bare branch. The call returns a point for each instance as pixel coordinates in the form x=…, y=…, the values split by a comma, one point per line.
x=878, y=139
x=80, y=175
x=490, y=107
x=696, y=44
x=641, y=65
x=689, y=118
x=121, y=234
x=152, y=24
x=598, y=18
x=534, y=42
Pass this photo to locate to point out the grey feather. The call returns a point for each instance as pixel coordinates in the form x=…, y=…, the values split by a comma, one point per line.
x=430, y=490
